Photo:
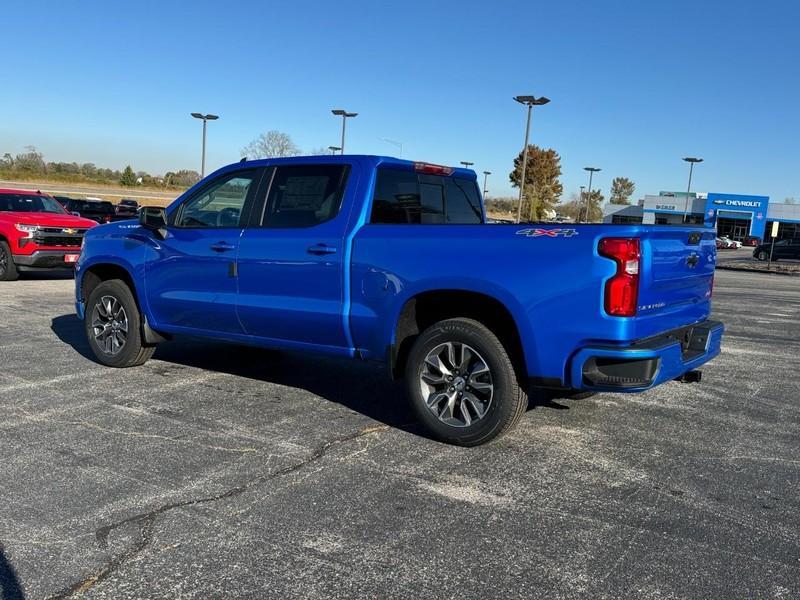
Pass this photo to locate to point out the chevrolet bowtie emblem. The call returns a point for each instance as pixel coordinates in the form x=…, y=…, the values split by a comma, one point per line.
x=70, y=231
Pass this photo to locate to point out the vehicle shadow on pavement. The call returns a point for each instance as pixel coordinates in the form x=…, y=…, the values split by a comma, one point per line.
x=10, y=588
x=360, y=386
x=45, y=275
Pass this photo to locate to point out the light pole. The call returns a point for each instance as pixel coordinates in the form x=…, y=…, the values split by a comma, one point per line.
x=485, y=177
x=205, y=119
x=580, y=204
x=467, y=164
x=345, y=115
x=592, y=171
x=530, y=102
x=399, y=145
x=691, y=160
x=334, y=149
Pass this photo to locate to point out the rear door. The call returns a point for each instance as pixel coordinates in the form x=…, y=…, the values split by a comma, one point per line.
x=190, y=276
x=292, y=259
x=781, y=249
x=678, y=273
x=791, y=250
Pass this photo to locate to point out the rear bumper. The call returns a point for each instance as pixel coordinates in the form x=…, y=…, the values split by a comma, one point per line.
x=45, y=259
x=646, y=363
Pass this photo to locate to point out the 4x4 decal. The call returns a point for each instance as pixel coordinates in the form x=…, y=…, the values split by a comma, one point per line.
x=538, y=232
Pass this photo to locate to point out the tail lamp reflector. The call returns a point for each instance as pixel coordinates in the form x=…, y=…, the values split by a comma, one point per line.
x=622, y=290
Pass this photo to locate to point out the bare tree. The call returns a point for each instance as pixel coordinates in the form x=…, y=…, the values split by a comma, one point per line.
x=272, y=144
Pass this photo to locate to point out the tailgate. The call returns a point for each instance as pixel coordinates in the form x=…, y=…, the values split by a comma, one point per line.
x=678, y=273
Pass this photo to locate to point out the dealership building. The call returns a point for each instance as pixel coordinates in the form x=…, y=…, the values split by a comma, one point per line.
x=732, y=215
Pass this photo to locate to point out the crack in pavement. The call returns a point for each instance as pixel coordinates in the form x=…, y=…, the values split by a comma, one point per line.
x=43, y=418
x=146, y=521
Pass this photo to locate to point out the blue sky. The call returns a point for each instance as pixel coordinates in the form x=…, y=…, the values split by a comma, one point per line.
x=634, y=85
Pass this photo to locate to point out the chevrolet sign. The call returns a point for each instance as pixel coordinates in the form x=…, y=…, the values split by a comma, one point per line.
x=742, y=203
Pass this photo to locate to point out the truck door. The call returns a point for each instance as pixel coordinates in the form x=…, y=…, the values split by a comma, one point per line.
x=291, y=260
x=190, y=276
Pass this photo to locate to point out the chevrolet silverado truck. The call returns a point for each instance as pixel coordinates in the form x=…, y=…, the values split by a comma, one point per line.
x=37, y=233
x=382, y=259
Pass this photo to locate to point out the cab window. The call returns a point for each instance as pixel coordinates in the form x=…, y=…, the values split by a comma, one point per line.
x=409, y=197
x=304, y=195
x=221, y=204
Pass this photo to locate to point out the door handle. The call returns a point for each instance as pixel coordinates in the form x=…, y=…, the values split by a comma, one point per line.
x=321, y=249
x=222, y=247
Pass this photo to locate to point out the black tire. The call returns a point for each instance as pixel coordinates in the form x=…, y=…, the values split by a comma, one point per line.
x=508, y=400
x=8, y=270
x=133, y=351
x=763, y=255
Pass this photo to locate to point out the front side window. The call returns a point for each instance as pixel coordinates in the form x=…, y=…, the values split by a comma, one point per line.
x=304, y=195
x=220, y=205
x=29, y=203
x=409, y=197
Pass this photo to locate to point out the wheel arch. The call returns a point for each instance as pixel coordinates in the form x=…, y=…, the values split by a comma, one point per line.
x=94, y=274
x=423, y=309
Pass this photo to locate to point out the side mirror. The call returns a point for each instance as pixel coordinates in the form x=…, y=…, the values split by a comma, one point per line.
x=154, y=218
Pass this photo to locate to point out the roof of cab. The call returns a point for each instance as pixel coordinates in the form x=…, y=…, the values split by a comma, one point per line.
x=367, y=159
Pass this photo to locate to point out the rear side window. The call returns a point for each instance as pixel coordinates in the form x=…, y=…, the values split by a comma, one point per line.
x=305, y=195
x=418, y=198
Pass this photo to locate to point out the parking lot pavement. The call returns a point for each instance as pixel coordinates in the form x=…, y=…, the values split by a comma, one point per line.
x=220, y=472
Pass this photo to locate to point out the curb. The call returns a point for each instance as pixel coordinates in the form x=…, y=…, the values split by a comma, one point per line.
x=745, y=270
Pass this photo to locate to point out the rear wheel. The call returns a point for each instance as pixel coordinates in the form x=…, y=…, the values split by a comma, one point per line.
x=114, y=326
x=8, y=270
x=462, y=383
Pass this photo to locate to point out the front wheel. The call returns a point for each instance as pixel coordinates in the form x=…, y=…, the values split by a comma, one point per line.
x=8, y=270
x=114, y=326
x=462, y=383
x=762, y=255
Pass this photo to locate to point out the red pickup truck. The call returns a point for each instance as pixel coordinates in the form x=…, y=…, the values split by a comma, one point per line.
x=37, y=233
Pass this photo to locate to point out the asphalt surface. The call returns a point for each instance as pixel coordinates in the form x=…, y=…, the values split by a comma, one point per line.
x=221, y=472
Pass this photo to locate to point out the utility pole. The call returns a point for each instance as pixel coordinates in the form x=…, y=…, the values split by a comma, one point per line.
x=205, y=119
x=530, y=102
x=592, y=171
x=345, y=115
x=691, y=160
x=485, y=177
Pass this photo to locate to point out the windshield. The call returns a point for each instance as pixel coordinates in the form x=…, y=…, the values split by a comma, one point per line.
x=29, y=203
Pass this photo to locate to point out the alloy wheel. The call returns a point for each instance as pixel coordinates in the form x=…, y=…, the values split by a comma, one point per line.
x=3, y=261
x=110, y=325
x=456, y=384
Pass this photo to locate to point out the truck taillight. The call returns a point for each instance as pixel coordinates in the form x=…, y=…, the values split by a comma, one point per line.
x=622, y=290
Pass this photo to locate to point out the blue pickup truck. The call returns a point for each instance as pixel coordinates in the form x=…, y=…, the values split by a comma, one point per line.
x=383, y=259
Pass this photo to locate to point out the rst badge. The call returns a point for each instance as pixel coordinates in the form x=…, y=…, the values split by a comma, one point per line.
x=539, y=232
